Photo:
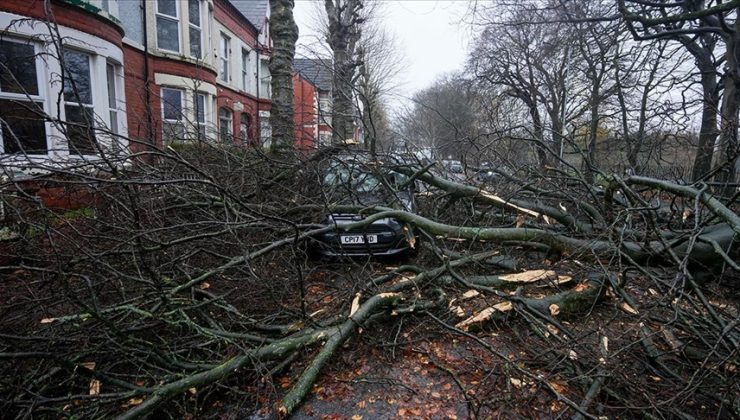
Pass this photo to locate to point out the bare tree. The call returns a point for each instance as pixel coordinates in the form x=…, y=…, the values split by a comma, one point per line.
x=699, y=26
x=284, y=36
x=345, y=19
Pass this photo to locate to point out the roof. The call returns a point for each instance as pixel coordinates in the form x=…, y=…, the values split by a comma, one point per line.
x=254, y=10
x=316, y=70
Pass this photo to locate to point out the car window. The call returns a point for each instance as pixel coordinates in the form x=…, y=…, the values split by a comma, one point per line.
x=357, y=179
x=350, y=177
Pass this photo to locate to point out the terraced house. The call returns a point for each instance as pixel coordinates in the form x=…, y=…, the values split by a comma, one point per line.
x=79, y=78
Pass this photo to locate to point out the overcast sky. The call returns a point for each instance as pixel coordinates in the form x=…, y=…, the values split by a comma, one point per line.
x=429, y=32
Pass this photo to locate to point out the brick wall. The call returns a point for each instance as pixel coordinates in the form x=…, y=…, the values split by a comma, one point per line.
x=304, y=113
x=67, y=15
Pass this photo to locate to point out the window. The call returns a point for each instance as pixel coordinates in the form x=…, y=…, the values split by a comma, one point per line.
x=245, y=70
x=324, y=139
x=173, y=127
x=21, y=99
x=78, y=102
x=111, y=72
x=225, y=47
x=244, y=125
x=168, y=25
x=225, y=127
x=199, y=100
x=265, y=78
x=195, y=28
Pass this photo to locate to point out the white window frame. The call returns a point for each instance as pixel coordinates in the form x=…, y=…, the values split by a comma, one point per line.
x=175, y=19
x=244, y=134
x=265, y=78
x=201, y=130
x=224, y=53
x=230, y=132
x=198, y=27
x=180, y=121
x=245, y=69
x=114, y=108
x=93, y=68
x=41, y=97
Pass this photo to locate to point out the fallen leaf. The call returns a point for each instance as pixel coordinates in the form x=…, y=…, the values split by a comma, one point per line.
x=553, y=329
x=357, y=417
x=205, y=285
x=572, y=355
x=520, y=219
x=516, y=382
x=581, y=287
x=558, y=387
x=554, y=309
x=48, y=320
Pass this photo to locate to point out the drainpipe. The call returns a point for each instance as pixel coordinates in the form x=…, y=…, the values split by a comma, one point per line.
x=258, y=63
x=147, y=79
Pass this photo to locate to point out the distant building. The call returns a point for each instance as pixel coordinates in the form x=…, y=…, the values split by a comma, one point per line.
x=319, y=71
x=304, y=112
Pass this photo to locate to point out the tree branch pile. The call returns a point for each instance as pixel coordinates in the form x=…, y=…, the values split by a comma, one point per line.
x=184, y=281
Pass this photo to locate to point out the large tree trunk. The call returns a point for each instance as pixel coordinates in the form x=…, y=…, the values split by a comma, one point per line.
x=730, y=103
x=708, y=131
x=344, y=32
x=284, y=36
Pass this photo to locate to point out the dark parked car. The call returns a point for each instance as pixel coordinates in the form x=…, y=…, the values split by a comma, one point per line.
x=351, y=185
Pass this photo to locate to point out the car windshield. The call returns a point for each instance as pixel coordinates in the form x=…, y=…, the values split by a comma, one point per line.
x=359, y=180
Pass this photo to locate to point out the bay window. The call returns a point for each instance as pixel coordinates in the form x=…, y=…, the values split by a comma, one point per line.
x=195, y=28
x=225, y=49
x=201, y=120
x=244, y=125
x=225, y=125
x=21, y=99
x=168, y=25
x=265, y=78
x=78, y=102
x=173, y=125
x=245, y=70
x=111, y=73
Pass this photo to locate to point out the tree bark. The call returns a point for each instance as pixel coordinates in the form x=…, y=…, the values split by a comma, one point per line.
x=284, y=37
x=730, y=106
x=344, y=32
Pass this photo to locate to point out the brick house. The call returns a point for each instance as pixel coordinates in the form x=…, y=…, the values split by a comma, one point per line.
x=318, y=71
x=130, y=73
x=304, y=108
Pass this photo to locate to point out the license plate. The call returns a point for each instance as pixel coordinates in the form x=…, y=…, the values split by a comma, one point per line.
x=359, y=239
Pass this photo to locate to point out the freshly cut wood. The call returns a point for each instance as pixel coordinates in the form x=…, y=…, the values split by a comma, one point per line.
x=470, y=294
x=530, y=276
x=484, y=315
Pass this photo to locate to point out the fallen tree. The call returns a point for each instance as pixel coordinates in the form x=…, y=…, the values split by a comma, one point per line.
x=185, y=281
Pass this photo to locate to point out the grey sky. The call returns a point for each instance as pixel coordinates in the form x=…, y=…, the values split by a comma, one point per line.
x=428, y=31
